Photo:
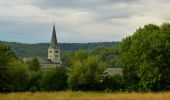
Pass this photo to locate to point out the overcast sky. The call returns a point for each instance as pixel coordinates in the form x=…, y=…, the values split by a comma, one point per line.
x=30, y=21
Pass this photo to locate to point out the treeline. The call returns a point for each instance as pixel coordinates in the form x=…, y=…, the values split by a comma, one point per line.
x=83, y=71
x=144, y=57
x=40, y=50
x=109, y=55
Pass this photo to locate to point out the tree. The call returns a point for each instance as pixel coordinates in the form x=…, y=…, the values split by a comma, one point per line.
x=108, y=55
x=13, y=72
x=144, y=56
x=164, y=61
x=85, y=73
x=35, y=81
x=113, y=83
x=19, y=76
x=55, y=79
x=34, y=65
x=6, y=57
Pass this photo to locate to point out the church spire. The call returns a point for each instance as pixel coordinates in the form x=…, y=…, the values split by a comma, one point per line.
x=53, y=38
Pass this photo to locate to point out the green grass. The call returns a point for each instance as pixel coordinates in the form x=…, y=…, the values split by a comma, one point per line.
x=69, y=95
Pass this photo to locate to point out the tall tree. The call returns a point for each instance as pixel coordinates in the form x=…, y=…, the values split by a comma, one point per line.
x=6, y=57
x=144, y=56
x=13, y=73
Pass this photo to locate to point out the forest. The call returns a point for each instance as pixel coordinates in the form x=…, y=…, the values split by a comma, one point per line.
x=144, y=57
x=39, y=50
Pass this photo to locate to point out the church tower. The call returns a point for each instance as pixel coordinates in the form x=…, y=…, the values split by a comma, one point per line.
x=53, y=50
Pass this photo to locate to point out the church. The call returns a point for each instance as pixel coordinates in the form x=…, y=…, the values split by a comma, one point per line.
x=53, y=54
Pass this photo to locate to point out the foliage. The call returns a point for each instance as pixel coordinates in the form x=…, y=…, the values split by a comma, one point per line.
x=34, y=64
x=66, y=59
x=40, y=50
x=6, y=57
x=108, y=55
x=35, y=81
x=19, y=76
x=55, y=79
x=144, y=56
x=85, y=71
x=113, y=83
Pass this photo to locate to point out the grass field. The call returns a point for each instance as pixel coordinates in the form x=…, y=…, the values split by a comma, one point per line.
x=69, y=95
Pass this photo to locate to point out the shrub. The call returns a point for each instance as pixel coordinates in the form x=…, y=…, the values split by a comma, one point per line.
x=54, y=79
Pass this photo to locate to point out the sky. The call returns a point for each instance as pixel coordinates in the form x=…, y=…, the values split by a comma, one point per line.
x=78, y=21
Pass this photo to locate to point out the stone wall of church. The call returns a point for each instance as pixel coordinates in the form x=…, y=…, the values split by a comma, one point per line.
x=54, y=55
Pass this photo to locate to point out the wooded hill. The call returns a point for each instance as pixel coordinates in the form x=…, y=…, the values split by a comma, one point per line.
x=40, y=49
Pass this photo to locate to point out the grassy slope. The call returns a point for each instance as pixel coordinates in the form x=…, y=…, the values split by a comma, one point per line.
x=69, y=95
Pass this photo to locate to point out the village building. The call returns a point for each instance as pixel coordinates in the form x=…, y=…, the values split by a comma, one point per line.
x=53, y=59
x=114, y=71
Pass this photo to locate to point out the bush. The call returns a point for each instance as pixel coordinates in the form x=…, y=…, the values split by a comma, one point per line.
x=19, y=76
x=34, y=64
x=85, y=73
x=113, y=83
x=55, y=79
x=35, y=81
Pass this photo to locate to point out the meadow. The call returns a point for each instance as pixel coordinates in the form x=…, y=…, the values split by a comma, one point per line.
x=70, y=95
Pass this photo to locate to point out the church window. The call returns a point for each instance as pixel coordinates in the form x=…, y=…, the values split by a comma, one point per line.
x=56, y=51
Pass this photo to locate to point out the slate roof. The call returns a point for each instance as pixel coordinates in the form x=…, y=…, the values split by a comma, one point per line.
x=53, y=43
x=114, y=71
x=45, y=61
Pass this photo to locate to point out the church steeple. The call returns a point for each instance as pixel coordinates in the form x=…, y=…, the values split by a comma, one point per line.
x=53, y=38
x=53, y=50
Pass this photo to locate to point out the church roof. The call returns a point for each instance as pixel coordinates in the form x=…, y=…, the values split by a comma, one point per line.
x=114, y=71
x=45, y=61
x=53, y=43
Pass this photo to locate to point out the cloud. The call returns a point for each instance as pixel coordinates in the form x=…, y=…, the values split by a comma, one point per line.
x=78, y=20
x=80, y=4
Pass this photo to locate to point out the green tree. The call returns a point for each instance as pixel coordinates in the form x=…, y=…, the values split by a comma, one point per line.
x=85, y=73
x=13, y=72
x=113, y=83
x=55, y=79
x=108, y=55
x=35, y=81
x=34, y=64
x=144, y=56
x=164, y=61
x=19, y=76
x=6, y=57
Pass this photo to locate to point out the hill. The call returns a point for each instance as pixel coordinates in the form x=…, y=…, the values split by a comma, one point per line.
x=40, y=49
